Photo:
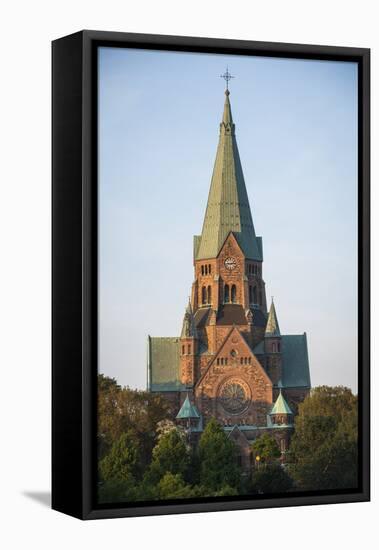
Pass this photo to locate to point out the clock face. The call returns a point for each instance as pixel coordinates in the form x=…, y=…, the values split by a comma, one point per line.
x=234, y=397
x=230, y=263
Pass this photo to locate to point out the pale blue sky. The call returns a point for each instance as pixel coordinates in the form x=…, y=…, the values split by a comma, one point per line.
x=296, y=127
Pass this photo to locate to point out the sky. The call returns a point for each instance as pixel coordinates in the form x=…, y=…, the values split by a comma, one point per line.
x=296, y=128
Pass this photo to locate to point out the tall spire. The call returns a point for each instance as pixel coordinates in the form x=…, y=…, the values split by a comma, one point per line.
x=228, y=206
x=272, y=326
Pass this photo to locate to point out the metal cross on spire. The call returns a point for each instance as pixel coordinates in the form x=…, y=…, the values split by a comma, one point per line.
x=227, y=76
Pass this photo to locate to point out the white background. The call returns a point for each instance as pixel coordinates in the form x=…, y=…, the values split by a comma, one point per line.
x=27, y=29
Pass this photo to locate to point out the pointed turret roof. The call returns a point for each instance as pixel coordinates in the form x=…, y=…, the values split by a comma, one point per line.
x=188, y=328
x=228, y=206
x=272, y=326
x=187, y=410
x=281, y=406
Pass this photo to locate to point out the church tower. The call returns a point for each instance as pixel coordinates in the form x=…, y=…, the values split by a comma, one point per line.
x=228, y=256
x=231, y=360
x=228, y=300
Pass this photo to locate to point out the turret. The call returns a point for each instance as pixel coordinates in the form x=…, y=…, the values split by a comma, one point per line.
x=188, y=348
x=281, y=413
x=273, y=346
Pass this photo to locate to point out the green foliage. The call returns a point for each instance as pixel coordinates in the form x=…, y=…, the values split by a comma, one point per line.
x=173, y=486
x=217, y=458
x=170, y=455
x=270, y=478
x=266, y=448
x=203, y=491
x=123, y=409
x=323, y=449
x=145, y=456
x=116, y=490
x=123, y=461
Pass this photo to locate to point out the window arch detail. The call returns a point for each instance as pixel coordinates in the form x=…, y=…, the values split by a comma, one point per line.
x=209, y=294
x=226, y=294
x=234, y=294
x=203, y=295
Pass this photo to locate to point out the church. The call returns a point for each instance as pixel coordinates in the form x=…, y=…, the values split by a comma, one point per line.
x=231, y=360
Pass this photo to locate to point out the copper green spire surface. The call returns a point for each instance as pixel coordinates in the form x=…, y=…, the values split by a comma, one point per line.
x=228, y=204
x=281, y=406
x=187, y=410
x=272, y=327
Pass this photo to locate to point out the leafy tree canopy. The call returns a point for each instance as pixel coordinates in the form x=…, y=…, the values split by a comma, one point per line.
x=266, y=448
x=123, y=409
x=123, y=461
x=170, y=455
x=271, y=478
x=173, y=486
x=324, y=446
x=217, y=458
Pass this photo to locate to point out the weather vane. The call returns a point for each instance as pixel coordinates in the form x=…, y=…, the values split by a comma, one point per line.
x=227, y=76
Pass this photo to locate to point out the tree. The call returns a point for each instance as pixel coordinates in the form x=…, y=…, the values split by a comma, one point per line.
x=173, y=486
x=217, y=458
x=323, y=449
x=122, y=463
x=116, y=490
x=266, y=448
x=123, y=409
x=170, y=455
x=271, y=478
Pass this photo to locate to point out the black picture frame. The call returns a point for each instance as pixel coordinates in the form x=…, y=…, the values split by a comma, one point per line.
x=74, y=270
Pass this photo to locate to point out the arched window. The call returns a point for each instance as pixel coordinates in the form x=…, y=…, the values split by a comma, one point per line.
x=255, y=295
x=202, y=270
x=278, y=347
x=218, y=360
x=250, y=294
x=209, y=269
x=206, y=270
x=189, y=349
x=234, y=293
x=203, y=295
x=183, y=350
x=226, y=294
x=209, y=294
x=274, y=347
x=241, y=361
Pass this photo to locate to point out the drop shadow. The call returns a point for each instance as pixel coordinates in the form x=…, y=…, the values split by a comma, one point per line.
x=42, y=497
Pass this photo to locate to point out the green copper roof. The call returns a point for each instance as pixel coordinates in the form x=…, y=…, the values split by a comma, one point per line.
x=281, y=406
x=272, y=327
x=228, y=204
x=187, y=410
x=163, y=364
x=295, y=364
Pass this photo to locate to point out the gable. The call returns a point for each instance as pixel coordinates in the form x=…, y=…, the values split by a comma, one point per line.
x=235, y=358
x=238, y=437
x=231, y=246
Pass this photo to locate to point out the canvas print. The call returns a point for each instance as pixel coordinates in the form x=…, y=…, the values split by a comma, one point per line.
x=227, y=205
